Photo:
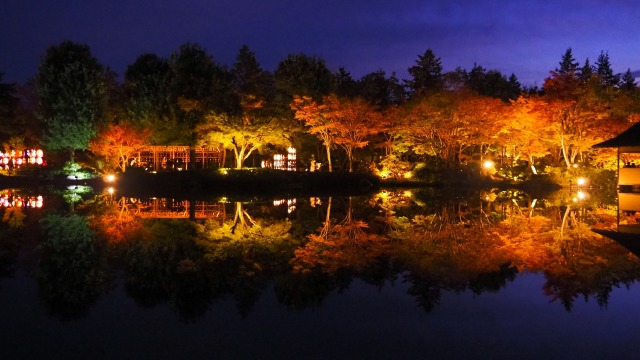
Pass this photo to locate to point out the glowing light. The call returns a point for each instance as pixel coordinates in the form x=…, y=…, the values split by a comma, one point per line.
x=581, y=195
x=408, y=175
x=581, y=181
x=575, y=165
x=488, y=164
x=111, y=191
x=110, y=178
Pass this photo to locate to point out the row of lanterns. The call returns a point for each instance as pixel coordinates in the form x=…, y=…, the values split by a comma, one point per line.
x=11, y=159
x=283, y=161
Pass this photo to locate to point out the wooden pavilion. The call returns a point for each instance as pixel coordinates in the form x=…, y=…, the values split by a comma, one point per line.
x=177, y=157
x=627, y=142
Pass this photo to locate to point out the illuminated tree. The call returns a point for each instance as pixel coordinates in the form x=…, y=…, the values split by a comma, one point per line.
x=355, y=121
x=313, y=115
x=118, y=143
x=72, y=90
x=529, y=132
x=242, y=134
x=248, y=127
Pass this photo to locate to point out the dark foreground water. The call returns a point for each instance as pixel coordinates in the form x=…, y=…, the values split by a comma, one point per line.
x=362, y=322
x=387, y=290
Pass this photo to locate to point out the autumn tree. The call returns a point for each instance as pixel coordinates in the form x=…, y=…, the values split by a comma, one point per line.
x=313, y=114
x=528, y=131
x=242, y=134
x=355, y=121
x=72, y=91
x=118, y=143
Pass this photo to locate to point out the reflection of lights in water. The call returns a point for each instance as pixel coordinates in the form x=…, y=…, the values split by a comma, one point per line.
x=9, y=200
x=111, y=191
x=291, y=204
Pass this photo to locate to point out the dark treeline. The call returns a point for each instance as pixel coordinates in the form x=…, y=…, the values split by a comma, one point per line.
x=394, y=127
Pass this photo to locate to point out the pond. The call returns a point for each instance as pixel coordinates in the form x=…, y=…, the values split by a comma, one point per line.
x=397, y=274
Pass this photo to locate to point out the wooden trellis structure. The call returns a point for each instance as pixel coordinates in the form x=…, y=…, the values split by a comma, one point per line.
x=177, y=157
x=155, y=208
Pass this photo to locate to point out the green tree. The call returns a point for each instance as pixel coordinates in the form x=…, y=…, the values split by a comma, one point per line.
x=605, y=72
x=568, y=64
x=248, y=77
x=8, y=105
x=426, y=74
x=199, y=86
x=302, y=75
x=243, y=134
x=72, y=89
x=379, y=90
x=147, y=85
x=628, y=81
x=586, y=71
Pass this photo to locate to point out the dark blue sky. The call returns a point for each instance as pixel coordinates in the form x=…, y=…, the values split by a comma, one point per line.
x=527, y=38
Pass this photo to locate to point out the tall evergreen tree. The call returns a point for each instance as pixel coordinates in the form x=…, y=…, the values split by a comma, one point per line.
x=248, y=78
x=604, y=71
x=72, y=89
x=568, y=64
x=346, y=86
x=628, y=81
x=586, y=71
x=426, y=75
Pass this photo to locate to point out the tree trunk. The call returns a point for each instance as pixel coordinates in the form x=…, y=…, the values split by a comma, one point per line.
x=329, y=157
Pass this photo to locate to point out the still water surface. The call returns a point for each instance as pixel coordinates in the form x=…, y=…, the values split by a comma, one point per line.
x=396, y=275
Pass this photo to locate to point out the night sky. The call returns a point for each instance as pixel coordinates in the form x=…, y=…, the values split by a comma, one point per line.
x=527, y=38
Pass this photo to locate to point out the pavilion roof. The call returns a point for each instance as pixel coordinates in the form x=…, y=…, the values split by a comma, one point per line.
x=628, y=139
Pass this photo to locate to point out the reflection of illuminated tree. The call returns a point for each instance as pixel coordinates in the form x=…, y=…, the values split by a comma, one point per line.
x=116, y=223
x=71, y=276
x=347, y=244
x=14, y=217
x=243, y=253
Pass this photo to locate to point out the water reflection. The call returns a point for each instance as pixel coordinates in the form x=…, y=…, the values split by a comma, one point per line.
x=188, y=254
